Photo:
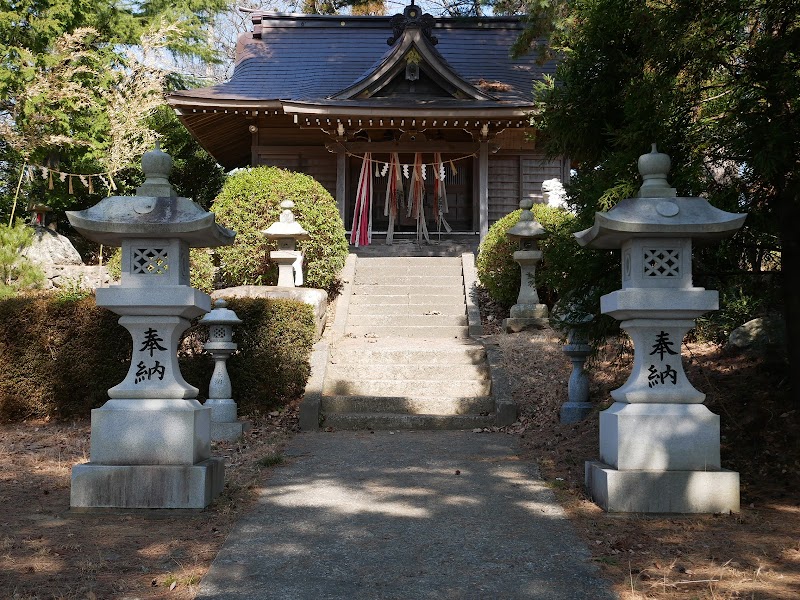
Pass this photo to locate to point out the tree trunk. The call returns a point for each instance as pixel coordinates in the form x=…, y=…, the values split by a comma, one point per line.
x=788, y=210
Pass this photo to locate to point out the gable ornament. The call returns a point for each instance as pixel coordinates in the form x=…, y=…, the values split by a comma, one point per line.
x=412, y=17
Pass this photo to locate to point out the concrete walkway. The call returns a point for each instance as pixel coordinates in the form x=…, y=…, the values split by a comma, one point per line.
x=404, y=515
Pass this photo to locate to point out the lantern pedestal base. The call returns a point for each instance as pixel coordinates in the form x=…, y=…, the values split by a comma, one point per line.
x=526, y=316
x=229, y=431
x=662, y=491
x=575, y=412
x=659, y=437
x=151, y=432
x=147, y=486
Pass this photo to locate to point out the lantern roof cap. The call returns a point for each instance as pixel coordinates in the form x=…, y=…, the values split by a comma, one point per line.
x=220, y=315
x=286, y=226
x=156, y=212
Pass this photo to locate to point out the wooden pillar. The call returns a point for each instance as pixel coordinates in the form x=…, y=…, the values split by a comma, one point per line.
x=483, y=188
x=341, y=182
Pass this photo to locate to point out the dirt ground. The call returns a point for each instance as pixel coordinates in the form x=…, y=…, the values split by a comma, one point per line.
x=754, y=554
x=47, y=552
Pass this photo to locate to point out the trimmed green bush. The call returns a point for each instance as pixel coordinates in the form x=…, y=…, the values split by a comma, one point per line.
x=249, y=203
x=498, y=272
x=271, y=366
x=59, y=357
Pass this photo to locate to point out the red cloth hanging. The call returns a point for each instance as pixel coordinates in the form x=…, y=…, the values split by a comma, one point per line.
x=361, y=231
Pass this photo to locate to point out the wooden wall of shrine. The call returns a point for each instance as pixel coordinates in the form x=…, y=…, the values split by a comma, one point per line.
x=515, y=170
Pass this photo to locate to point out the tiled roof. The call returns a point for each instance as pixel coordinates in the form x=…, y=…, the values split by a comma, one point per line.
x=310, y=58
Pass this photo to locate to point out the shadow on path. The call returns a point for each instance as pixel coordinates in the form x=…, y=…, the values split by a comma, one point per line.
x=404, y=515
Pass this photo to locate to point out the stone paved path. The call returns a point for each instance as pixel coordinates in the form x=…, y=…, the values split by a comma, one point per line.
x=404, y=515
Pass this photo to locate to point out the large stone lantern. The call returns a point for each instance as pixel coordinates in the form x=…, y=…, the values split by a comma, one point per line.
x=286, y=233
x=150, y=445
x=528, y=311
x=659, y=446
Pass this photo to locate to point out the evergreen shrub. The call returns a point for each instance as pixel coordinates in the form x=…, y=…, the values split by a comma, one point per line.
x=59, y=357
x=16, y=271
x=498, y=272
x=250, y=202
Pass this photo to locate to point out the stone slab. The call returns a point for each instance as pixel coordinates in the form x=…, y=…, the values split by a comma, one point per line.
x=382, y=516
x=151, y=432
x=407, y=405
x=659, y=437
x=471, y=294
x=505, y=408
x=400, y=371
x=147, y=486
x=310, y=405
x=400, y=421
x=420, y=320
x=681, y=492
x=417, y=331
x=229, y=431
x=406, y=387
x=432, y=289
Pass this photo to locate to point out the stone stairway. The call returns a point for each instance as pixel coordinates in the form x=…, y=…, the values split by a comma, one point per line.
x=402, y=358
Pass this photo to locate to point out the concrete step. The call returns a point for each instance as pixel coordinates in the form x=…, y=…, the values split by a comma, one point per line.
x=403, y=405
x=448, y=281
x=409, y=261
x=384, y=421
x=409, y=309
x=408, y=271
x=408, y=290
x=355, y=352
x=410, y=387
x=407, y=321
x=408, y=299
x=449, y=372
x=418, y=332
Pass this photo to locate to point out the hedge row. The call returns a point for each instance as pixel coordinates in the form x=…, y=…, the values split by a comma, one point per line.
x=59, y=357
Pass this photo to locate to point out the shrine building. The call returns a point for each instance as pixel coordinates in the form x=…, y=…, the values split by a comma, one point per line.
x=438, y=97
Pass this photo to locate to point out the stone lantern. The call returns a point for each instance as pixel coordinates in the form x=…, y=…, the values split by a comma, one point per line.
x=286, y=232
x=150, y=445
x=528, y=311
x=220, y=322
x=659, y=446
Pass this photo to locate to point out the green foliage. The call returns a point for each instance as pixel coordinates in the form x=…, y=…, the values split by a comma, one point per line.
x=717, y=85
x=194, y=174
x=271, y=366
x=16, y=271
x=249, y=203
x=58, y=357
x=75, y=94
x=498, y=272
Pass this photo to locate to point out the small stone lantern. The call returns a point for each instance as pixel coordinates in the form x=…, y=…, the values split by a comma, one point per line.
x=287, y=232
x=528, y=311
x=659, y=446
x=220, y=322
x=151, y=444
